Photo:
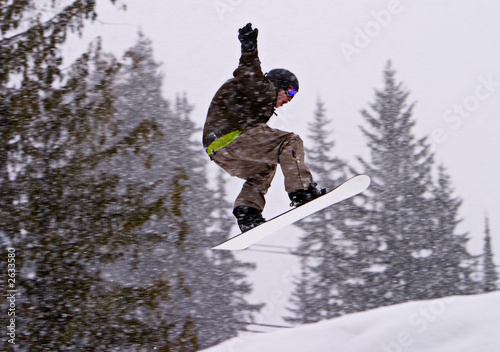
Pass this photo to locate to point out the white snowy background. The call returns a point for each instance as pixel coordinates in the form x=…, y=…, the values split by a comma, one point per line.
x=446, y=53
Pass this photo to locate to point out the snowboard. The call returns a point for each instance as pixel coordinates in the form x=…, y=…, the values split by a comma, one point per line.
x=348, y=189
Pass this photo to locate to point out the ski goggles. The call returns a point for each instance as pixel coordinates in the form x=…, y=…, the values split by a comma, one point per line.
x=291, y=91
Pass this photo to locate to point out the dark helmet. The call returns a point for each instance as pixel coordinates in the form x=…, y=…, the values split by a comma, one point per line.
x=282, y=79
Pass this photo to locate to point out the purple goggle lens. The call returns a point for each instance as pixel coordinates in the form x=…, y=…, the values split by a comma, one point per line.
x=291, y=91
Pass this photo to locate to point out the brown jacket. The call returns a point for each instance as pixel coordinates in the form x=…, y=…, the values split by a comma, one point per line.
x=243, y=101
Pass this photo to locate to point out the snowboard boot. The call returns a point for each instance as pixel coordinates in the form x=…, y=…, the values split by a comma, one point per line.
x=248, y=217
x=302, y=196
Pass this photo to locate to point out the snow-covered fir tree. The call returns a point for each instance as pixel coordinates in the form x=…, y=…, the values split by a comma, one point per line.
x=324, y=288
x=446, y=252
x=409, y=230
x=30, y=56
x=490, y=274
x=67, y=212
x=328, y=171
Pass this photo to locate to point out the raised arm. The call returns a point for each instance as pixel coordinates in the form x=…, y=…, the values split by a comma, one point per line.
x=249, y=73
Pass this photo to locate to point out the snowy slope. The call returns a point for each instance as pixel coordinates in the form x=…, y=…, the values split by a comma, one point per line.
x=452, y=324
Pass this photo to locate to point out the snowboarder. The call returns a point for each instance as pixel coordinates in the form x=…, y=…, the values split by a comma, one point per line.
x=237, y=138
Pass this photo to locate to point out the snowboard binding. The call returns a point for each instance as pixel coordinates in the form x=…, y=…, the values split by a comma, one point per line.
x=303, y=196
x=248, y=217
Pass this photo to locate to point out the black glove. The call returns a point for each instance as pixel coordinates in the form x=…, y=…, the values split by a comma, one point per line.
x=248, y=37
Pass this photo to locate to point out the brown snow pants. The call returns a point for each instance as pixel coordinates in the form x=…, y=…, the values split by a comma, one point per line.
x=254, y=156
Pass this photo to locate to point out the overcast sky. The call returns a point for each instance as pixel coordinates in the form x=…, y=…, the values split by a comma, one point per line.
x=446, y=53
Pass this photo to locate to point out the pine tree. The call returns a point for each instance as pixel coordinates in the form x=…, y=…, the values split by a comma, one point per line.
x=30, y=56
x=207, y=288
x=447, y=252
x=490, y=278
x=138, y=88
x=328, y=171
x=328, y=249
x=409, y=230
x=306, y=304
x=65, y=211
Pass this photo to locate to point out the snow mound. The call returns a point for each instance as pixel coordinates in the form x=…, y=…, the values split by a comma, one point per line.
x=451, y=324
